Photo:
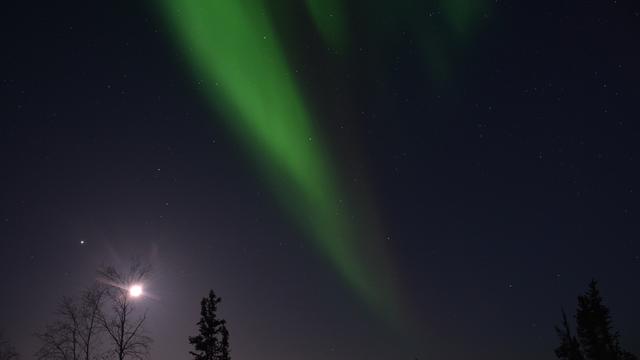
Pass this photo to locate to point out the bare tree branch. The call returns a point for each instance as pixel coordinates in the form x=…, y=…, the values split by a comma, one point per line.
x=7, y=351
x=126, y=332
x=73, y=335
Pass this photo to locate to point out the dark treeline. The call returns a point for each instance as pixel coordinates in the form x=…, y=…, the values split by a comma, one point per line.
x=103, y=324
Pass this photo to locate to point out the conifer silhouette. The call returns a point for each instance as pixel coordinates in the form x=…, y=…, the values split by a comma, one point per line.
x=596, y=338
x=569, y=348
x=212, y=342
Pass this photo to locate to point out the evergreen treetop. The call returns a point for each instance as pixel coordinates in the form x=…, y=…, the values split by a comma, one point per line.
x=212, y=341
x=596, y=338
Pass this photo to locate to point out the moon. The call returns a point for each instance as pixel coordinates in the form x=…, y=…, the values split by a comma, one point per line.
x=135, y=290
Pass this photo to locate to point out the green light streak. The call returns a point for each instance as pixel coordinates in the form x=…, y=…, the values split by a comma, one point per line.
x=232, y=46
x=461, y=15
x=438, y=26
x=231, y=43
x=329, y=18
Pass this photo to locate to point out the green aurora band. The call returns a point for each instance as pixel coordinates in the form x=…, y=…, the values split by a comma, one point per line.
x=232, y=46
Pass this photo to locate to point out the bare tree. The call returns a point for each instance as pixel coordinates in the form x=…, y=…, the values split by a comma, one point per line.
x=90, y=314
x=72, y=336
x=57, y=343
x=7, y=351
x=125, y=331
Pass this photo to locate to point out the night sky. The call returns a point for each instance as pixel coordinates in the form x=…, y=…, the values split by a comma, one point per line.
x=364, y=180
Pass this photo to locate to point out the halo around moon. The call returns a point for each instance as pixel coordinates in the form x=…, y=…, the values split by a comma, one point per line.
x=135, y=290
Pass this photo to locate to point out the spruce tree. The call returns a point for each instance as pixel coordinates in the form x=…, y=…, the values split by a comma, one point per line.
x=212, y=342
x=224, y=350
x=569, y=348
x=596, y=339
x=594, y=326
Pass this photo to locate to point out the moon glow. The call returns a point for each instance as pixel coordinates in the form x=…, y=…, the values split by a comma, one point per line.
x=135, y=290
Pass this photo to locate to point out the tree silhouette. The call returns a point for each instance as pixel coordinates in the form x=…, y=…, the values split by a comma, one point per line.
x=7, y=351
x=72, y=336
x=212, y=342
x=125, y=332
x=100, y=324
x=569, y=348
x=596, y=338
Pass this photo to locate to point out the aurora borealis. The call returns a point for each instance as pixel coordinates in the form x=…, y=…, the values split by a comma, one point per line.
x=235, y=50
x=250, y=73
x=357, y=180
